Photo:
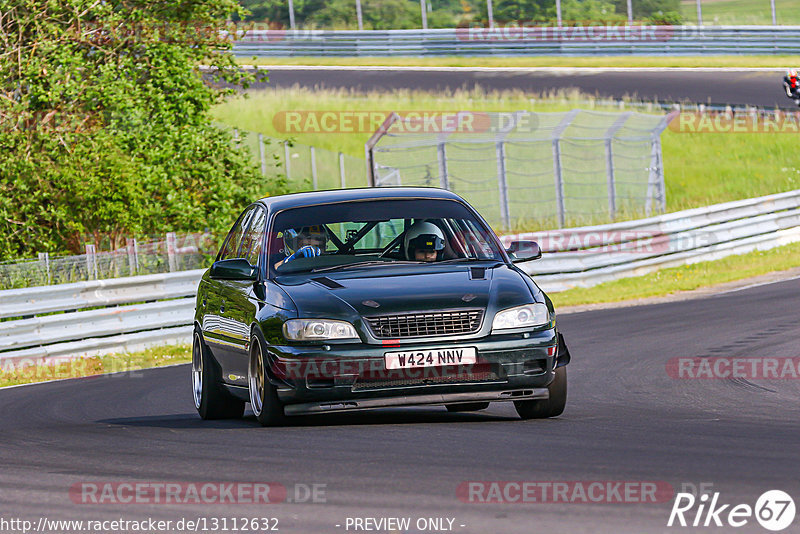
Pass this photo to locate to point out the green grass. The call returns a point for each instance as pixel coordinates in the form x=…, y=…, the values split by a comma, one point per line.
x=700, y=168
x=96, y=365
x=685, y=278
x=741, y=12
x=771, y=61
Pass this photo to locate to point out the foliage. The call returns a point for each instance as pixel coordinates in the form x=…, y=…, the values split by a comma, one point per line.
x=105, y=122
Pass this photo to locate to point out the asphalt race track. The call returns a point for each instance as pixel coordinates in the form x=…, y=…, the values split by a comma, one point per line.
x=626, y=420
x=754, y=88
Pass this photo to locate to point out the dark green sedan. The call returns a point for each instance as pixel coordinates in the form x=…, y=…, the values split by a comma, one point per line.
x=338, y=301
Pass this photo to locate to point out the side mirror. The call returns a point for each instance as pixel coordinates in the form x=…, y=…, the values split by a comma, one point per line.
x=524, y=251
x=235, y=269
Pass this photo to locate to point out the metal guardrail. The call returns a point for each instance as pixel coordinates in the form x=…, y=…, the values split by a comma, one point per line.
x=576, y=257
x=582, y=257
x=526, y=40
x=39, y=333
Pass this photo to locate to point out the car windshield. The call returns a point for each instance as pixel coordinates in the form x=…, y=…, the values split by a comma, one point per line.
x=379, y=232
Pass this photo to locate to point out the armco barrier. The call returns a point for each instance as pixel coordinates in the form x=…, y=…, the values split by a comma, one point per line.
x=576, y=257
x=512, y=40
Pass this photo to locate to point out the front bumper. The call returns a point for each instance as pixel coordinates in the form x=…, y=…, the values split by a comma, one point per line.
x=336, y=378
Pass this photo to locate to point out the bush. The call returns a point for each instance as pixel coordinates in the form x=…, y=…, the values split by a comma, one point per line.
x=105, y=123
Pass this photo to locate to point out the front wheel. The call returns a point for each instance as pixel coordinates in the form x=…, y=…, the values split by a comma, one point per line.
x=210, y=399
x=263, y=396
x=550, y=407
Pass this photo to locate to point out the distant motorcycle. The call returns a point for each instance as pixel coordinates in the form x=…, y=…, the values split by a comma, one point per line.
x=791, y=86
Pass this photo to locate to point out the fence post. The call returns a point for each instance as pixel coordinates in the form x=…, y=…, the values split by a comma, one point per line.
x=341, y=170
x=45, y=258
x=262, y=155
x=314, y=181
x=91, y=262
x=558, y=174
x=236, y=138
x=286, y=157
x=502, y=184
x=444, y=181
x=609, y=145
x=612, y=187
x=559, y=182
x=133, y=260
x=171, y=253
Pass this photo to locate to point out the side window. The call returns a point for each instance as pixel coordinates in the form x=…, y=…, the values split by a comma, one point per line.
x=254, y=238
x=234, y=238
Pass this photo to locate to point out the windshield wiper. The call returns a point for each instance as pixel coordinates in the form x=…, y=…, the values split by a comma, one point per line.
x=457, y=260
x=361, y=264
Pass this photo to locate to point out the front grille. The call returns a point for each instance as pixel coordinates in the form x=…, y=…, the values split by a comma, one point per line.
x=438, y=323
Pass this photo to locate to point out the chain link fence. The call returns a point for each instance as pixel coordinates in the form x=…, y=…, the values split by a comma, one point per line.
x=306, y=168
x=526, y=169
x=170, y=253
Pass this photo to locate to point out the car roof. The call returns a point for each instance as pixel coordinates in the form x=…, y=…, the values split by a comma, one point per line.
x=313, y=198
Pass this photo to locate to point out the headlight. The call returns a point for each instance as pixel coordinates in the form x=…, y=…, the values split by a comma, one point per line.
x=318, y=329
x=526, y=316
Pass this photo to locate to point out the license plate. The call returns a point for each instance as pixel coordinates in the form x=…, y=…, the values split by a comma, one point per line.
x=430, y=357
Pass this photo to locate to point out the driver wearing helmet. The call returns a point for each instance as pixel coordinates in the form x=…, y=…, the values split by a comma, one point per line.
x=790, y=83
x=306, y=242
x=424, y=241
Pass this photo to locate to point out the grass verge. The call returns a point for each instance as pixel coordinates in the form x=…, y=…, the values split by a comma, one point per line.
x=763, y=61
x=685, y=277
x=11, y=375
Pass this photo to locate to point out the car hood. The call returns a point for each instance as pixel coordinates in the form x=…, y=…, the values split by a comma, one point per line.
x=389, y=290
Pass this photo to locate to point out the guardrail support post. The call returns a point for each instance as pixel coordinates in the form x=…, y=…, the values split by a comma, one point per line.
x=171, y=253
x=133, y=256
x=441, y=153
x=91, y=262
x=262, y=155
x=502, y=184
x=341, y=171
x=44, y=257
x=314, y=181
x=286, y=162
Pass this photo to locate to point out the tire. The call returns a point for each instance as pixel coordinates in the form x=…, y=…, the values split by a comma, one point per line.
x=543, y=408
x=263, y=396
x=467, y=407
x=210, y=398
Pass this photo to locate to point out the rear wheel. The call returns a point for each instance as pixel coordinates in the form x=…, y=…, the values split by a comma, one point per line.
x=551, y=407
x=263, y=396
x=210, y=398
x=467, y=407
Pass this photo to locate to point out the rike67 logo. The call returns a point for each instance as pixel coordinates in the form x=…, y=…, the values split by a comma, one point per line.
x=774, y=510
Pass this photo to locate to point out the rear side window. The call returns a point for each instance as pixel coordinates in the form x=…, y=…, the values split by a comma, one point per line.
x=254, y=237
x=234, y=239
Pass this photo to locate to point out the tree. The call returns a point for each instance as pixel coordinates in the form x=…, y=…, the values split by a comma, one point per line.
x=104, y=122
